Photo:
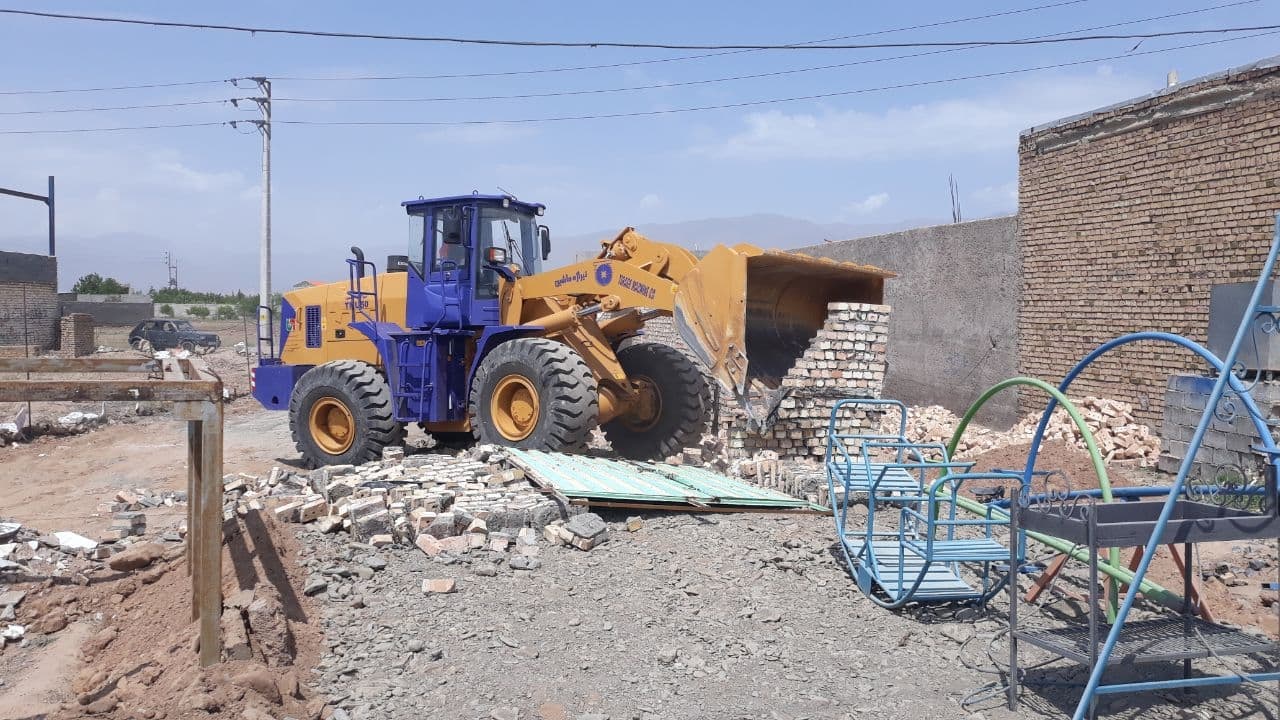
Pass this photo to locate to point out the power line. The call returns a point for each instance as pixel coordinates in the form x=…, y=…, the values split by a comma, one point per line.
x=616, y=44
x=608, y=66
x=709, y=81
x=116, y=107
x=770, y=101
x=116, y=87
x=669, y=111
x=43, y=131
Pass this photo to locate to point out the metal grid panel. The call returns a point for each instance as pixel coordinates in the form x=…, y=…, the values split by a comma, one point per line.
x=1145, y=641
x=313, y=326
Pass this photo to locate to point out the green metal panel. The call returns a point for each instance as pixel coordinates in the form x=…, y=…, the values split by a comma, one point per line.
x=597, y=478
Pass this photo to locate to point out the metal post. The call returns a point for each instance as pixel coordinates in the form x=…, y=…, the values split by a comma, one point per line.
x=49, y=201
x=1014, y=567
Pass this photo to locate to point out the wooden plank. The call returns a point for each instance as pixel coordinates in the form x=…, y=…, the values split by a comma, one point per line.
x=108, y=390
x=1046, y=578
x=56, y=365
x=210, y=537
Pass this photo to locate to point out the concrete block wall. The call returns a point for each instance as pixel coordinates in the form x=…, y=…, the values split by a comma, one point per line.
x=77, y=335
x=1130, y=214
x=847, y=358
x=28, y=303
x=955, y=311
x=1231, y=434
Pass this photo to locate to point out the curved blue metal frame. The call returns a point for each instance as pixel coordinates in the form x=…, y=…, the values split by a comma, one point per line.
x=1214, y=361
x=917, y=530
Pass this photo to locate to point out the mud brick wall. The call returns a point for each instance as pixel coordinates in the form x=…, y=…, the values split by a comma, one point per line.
x=77, y=335
x=28, y=299
x=1129, y=214
x=955, y=311
x=845, y=359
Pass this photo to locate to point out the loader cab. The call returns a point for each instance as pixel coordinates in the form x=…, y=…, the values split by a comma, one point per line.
x=459, y=249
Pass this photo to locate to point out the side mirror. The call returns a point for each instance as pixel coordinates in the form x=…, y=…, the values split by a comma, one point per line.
x=495, y=256
x=544, y=234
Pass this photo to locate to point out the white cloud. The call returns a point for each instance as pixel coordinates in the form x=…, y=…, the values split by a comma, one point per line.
x=979, y=123
x=868, y=205
x=651, y=200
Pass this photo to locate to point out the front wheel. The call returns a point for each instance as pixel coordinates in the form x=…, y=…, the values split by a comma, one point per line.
x=340, y=413
x=674, y=408
x=536, y=394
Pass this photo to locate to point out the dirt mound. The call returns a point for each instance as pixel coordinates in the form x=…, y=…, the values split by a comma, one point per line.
x=140, y=656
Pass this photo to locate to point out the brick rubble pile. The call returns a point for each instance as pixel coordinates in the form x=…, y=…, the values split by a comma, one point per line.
x=845, y=359
x=1110, y=422
x=438, y=502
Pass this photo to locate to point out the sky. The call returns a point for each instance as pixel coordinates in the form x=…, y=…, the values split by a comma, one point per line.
x=877, y=149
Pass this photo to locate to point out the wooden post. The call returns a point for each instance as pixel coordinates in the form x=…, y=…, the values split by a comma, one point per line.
x=194, y=498
x=210, y=535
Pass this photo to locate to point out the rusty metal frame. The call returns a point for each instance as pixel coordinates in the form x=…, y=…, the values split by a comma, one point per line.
x=196, y=394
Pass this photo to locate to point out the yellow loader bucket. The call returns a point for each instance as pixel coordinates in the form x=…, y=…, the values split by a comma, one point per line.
x=749, y=314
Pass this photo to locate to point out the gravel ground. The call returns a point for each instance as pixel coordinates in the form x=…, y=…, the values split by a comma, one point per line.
x=726, y=616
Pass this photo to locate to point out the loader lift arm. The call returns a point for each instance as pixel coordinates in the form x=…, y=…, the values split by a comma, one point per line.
x=747, y=314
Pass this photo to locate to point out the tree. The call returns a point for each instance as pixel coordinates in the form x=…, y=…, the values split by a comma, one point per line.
x=226, y=312
x=95, y=284
x=166, y=310
x=199, y=311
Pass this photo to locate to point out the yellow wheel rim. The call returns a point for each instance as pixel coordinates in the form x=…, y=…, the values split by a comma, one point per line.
x=332, y=426
x=514, y=407
x=648, y=407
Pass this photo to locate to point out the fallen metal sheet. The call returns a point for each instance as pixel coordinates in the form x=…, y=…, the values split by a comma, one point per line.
x=619, y=481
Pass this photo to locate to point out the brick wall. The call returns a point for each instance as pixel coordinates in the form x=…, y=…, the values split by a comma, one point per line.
x=77, y=335
x=40, y=319
x=1128, y=215
x=845, y=359
x=1229, y=441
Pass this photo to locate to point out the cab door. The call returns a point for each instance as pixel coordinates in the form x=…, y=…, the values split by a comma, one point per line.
x=447, y=264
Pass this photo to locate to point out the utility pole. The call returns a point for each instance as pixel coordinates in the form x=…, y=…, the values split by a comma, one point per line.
x=173, y=270
x=264, y=251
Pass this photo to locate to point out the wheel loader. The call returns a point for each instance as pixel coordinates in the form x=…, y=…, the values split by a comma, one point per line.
x=469, y=336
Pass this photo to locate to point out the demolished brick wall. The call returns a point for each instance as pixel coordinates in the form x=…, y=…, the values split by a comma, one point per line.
x=845, y=359
x=1129, y=215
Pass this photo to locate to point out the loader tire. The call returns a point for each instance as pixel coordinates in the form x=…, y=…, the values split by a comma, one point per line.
x=535, y=394
x=340, y=413
x=684, y=407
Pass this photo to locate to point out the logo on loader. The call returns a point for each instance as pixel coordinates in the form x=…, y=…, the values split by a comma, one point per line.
x=604, y=274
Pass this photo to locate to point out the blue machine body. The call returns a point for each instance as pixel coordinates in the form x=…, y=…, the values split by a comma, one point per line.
x=451, y=312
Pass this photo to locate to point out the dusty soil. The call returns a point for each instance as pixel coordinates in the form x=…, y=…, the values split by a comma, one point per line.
x=130, y=651
x=58, y=482
x=693, y=616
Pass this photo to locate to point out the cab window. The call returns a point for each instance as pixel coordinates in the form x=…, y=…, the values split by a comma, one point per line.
x=449, y=250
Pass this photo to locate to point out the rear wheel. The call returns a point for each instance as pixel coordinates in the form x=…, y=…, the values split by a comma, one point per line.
x=340, y=413
x=536, y=394
x=674, y=407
